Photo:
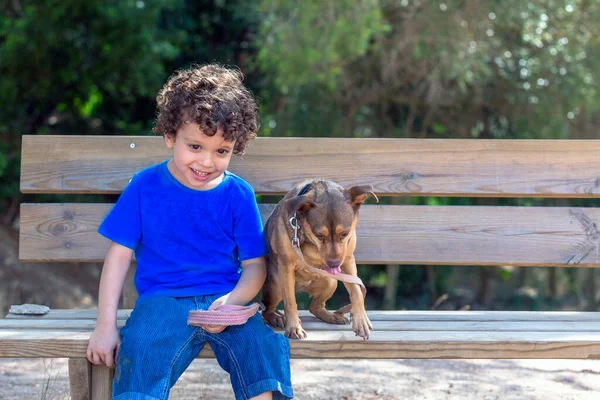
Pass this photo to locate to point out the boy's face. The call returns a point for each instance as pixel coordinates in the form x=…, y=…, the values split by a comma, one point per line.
x=199, y=161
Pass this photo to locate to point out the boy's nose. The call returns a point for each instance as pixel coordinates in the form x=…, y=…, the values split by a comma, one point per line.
x=207, y=162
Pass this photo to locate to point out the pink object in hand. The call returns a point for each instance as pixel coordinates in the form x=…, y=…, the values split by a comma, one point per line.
x=223, y=315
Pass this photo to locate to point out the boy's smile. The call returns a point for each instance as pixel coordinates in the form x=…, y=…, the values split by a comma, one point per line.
x=199, y=161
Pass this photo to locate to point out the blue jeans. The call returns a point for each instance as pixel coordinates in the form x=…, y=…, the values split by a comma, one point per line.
x=157, y=346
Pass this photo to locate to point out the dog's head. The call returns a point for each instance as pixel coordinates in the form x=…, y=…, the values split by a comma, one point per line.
x=328, y=215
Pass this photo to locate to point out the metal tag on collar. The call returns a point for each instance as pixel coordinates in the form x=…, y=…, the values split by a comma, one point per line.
x=295, y=226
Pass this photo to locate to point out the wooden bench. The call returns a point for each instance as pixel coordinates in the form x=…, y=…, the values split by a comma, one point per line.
x=388, y=234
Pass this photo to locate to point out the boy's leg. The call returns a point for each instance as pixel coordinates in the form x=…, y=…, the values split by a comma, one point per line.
x=257, y=359
x=156, y=347
x=263, y=396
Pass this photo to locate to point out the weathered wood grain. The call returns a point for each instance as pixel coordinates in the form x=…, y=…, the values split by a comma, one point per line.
x=398, y=334
x=449, y=235
x=312, y=324
x=375, y=315
x=129, y=294
x=102, y=378
x=422, y=167
x=339, y=344
x=80, y=379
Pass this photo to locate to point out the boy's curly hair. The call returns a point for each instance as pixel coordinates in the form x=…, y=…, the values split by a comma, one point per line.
x=211, y=96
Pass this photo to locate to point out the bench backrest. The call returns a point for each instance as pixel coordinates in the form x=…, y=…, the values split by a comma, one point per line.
x=388, y=234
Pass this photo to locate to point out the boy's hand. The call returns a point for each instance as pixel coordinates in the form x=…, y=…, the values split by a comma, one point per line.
x=215, y=304
x=104, y=346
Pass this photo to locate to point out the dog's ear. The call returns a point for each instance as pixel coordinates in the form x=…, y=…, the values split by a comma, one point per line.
x=358, y=194
x=302, y=204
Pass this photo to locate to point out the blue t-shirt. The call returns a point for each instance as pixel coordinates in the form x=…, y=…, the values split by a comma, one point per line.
x=187, y=242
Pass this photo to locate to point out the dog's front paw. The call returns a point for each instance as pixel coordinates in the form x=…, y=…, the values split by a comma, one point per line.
x=274, y=318
x=295, y=332
x=361, y=325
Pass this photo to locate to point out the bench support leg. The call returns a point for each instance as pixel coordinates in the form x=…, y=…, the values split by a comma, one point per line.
x=80, y=378
x=102, y=378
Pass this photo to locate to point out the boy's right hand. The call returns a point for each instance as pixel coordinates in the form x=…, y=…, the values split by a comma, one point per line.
x=104, y=345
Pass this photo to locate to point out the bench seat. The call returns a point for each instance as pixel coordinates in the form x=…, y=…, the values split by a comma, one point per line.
x=398, y=334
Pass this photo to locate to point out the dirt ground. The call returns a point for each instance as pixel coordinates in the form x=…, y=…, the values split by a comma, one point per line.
x=352, y=380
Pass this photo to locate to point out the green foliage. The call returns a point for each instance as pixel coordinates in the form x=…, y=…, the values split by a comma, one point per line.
x=73, y=55
x=482, y=69
x=9, y=164
x=63, y=63
x=90, y=67
x=311, y=41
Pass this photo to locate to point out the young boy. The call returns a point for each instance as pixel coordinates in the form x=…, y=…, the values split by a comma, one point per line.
x=198, y=241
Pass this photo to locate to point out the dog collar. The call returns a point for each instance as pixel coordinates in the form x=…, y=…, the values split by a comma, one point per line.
x=294, y=223
x=303, y=190
x=295, y=226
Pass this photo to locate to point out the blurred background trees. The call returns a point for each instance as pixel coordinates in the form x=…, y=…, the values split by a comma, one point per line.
x=467, y=69
x=346, y=68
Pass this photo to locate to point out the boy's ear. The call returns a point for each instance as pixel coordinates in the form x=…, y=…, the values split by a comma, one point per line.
x=357, y=195
x=169, y=141
x=301, y=204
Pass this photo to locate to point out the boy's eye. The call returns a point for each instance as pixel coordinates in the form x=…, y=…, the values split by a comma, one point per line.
x=195, y=146
x=222, y=151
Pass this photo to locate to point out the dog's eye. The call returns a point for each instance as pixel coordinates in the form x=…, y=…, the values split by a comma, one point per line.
x=344, y=235
x=321, y=238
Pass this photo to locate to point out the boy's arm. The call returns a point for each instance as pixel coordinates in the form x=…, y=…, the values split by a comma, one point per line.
x=105, y=339
x=117, y=261
x=254, y=273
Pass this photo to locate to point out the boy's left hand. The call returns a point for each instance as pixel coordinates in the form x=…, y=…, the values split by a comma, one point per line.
x=215, y=304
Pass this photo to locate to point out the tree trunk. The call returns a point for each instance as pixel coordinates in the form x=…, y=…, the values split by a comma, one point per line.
x=484, y=294
x=590, y=290
x=553, y=282
x=524, y=273
x=391, y=287
x=431, y=283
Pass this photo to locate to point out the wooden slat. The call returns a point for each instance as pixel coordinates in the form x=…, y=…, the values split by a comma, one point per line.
x=80, y=379
x=404, y=315
x=102, y=378
x=338, y=344
x=449, y=235
x=445, y=167
x=130, y=293
x=311, y=324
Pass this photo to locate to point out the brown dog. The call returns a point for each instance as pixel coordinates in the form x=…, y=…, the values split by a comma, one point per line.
x=326, y=216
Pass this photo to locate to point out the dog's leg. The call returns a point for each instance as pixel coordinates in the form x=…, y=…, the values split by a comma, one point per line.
x=271, y=297
x=360, y=321
x=321, y=290
x=293, y=326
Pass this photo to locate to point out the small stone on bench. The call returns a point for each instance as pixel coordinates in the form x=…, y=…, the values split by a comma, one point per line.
x=29, y=309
